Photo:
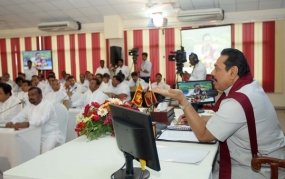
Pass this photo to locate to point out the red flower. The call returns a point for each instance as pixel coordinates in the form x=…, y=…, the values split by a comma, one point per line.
x=86, y=109
x=108, y=120
x=96, y=117
x=95, y=104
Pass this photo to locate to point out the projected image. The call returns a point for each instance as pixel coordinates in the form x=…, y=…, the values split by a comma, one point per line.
x=207, y=43
x=41, y=60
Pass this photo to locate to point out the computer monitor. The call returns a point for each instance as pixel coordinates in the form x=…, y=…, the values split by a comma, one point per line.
x=135, y=138
x=200, y=92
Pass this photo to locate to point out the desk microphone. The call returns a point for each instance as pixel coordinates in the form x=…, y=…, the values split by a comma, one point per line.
x=74, y=89
x=11, y=107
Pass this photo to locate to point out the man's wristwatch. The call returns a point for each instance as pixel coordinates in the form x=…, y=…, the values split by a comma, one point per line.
x=184, y=106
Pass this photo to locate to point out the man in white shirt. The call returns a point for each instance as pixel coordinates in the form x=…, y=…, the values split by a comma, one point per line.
x=196, y=90
x=94, y=94
x=10, y=105
x=39, y=113
x=62, y=80
x=159, y=83
x=18, y=86
x=199, y=71
x=83, y=82
x=23, y=95
x=7, y=79
x=102, y=70
x=57, y=95
x=119, y=89
x=48, y=87
x=105, y=83
x=122, y=68
x=36, y=82
x=136, y=80
x=73, y=87
x=146, y=66
x=30, y=71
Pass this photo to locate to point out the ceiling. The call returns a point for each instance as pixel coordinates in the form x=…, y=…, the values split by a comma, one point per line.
x=15, y=14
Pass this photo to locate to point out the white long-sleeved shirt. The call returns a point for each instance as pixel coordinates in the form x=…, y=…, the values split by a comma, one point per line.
x=42, y=87
x=146, y=65
x=160, y=85
x=125, y=70
x=56, y=96
x=25, y=97
x=6, y=116
x=88, y=97
x=47, y=89
x=104, y=86
x=84, y=85
x=199, y=72
x=76, y=88
x=102, y=71
x=43, y=115
x=132, y=83
x=30, y=72
x=122, y=88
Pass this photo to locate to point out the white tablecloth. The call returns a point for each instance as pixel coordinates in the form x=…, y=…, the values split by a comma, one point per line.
x=100, y=158
x=17, y=147
x=70, y=133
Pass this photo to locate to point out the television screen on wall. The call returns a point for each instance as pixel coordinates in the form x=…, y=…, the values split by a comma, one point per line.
x=41, y=59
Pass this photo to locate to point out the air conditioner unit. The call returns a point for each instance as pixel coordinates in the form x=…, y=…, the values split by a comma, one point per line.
x=59, y=26
x=201, y=15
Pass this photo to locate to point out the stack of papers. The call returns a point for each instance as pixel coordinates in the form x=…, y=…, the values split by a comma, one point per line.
x=181, y=155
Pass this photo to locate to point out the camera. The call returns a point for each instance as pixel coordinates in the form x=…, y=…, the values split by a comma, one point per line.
x=134, y=53
x=180, y=57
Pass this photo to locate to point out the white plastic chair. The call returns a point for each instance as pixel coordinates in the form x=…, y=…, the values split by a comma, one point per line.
x=62, y=117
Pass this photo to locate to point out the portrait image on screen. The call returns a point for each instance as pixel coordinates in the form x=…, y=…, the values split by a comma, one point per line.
x=41, y=59
x=135, y=138
x=198, y=90
x=207, y=43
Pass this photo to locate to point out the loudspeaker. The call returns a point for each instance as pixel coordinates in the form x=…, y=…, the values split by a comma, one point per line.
x=195, y=57
x=115, y=54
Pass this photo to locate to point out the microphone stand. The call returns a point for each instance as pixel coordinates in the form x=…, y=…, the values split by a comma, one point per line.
x=10, y=107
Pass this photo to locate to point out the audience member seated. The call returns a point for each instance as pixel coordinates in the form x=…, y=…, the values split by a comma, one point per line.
x=159, y=83
x=84, y=83
x=22, y=75
x=136, y=80
x=73, y=87
x=62, y=80
x=10, y=105
x=48, y=87
x=119, y=90
x=102, y=70
x=18, y=86
x=99, y=76
x=36, y=82
x=105, y=83
x=89, y=76
x=7, y=79
x=122, y=68
x=57, y=95
x=39, y=113
x=123, y=78
x=94, y=94
x=23, y=95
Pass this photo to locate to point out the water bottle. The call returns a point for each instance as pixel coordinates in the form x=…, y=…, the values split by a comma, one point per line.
x=70, y=102
x=25, y=102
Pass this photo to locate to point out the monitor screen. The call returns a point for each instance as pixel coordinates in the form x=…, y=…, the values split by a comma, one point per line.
x=197, y=91
x=135, y=137
x=41, y=59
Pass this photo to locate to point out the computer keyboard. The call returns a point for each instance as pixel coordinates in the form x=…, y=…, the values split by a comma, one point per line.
x=179, y=128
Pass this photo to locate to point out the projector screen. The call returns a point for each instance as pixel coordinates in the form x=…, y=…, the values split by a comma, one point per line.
x=207, y=43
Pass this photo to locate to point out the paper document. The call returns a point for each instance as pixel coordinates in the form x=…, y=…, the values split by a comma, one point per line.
x=182, y=136
x=181, y=155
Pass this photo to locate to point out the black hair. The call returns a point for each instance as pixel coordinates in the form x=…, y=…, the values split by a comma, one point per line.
x=144, y=53
x=99, y=75
x=159, y=74
x=134, y=74
x=28, y=82
x=36, y=88
x=236, y=58
x=35, y=76
x=118, y=78
x=121, y=60
x=97, y=81
x=6, y=88
x=29, y=61
x=51, y=76
x=18, y=79
x=196, y=84
x=70, y=77
x=106, y=75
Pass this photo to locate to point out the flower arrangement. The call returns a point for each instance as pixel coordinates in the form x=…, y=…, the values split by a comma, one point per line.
x=95, y=120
